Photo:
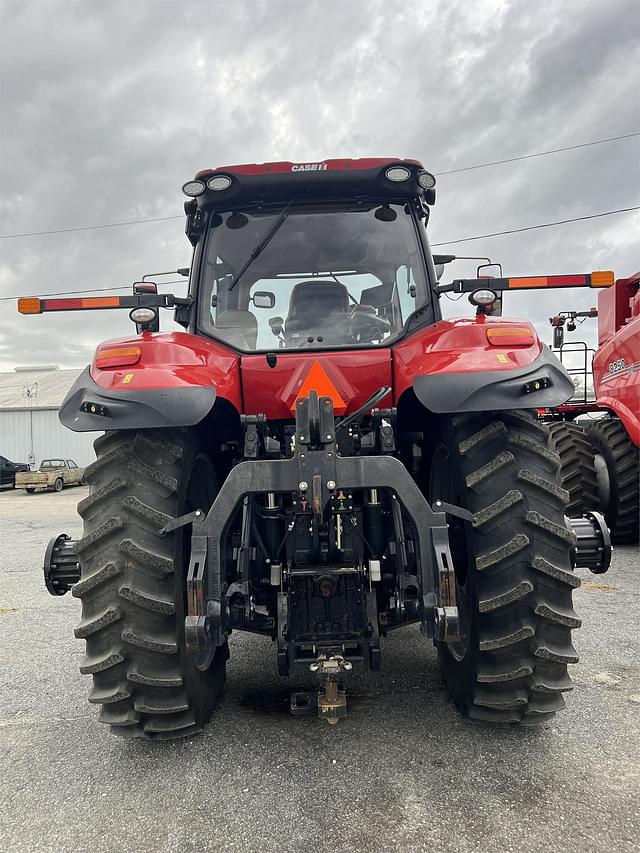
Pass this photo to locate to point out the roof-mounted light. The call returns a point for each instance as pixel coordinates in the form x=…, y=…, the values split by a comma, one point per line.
x=426, y=180
x=193, y=188
x=397, y=174
x=219, y=182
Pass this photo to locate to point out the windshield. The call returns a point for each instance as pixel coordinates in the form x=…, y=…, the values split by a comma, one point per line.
x=327, y=277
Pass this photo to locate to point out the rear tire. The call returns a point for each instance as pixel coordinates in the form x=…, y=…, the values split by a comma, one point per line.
x=29, y=490
x=620, y=456
x=577, y=466
x=132, y=587
x=58, y=485
x=513, y=569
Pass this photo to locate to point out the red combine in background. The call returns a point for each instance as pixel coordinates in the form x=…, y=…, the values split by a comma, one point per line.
x=599, y=457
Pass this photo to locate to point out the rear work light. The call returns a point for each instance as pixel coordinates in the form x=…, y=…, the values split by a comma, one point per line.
x=219, y=182
x=510, y=336
x=426, y=180
x=483, y=297
x=397, y=174
x=193, y=188
x=143, y=315
x=118, y=357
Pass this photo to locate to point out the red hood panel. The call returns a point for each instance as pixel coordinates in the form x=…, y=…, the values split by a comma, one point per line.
x=349, y=377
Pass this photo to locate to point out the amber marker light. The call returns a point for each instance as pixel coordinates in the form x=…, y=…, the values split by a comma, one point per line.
x=510, y=336
x=603, y=278
x=118, y=357
x=29, y=305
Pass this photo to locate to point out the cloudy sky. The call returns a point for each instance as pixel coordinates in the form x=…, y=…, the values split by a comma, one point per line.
x=107, y=107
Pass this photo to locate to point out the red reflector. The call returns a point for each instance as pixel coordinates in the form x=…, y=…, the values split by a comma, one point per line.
x=61, y=304
x=79, y=304
x=510, y=336
x=567, y=281
x=118, y=357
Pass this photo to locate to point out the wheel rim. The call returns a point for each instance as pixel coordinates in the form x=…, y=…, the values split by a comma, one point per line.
x=443, y=486
x=201, y=493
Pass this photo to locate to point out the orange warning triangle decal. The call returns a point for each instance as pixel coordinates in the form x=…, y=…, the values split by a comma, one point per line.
x=318, y=380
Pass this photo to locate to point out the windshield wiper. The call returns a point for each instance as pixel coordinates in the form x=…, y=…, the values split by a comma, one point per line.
x=268, y=237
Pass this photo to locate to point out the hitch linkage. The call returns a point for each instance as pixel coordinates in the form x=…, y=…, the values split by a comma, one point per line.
x=316, y=472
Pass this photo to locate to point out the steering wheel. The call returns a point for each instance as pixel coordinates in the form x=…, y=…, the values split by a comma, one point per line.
x=365, y=323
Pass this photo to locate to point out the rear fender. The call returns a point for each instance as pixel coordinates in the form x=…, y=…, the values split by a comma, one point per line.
x=174, y=382
x=452, y=368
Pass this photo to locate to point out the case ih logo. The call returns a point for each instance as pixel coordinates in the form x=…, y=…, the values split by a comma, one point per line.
x=309, y=167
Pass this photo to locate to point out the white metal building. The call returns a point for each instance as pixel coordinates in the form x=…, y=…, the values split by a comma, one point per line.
x=30, y=431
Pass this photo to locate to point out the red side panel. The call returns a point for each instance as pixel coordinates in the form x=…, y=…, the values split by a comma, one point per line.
x=458, y=346
x=616, y=376
x=172, y=361
x=349, y=377
x=614, y=306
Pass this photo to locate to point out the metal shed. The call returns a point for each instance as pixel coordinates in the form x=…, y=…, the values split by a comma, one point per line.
x=30, y=431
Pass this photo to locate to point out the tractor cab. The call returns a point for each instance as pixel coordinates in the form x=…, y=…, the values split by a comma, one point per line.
x=310, y=256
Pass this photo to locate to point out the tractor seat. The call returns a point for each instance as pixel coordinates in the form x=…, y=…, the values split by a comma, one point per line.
x=313, y=305
x=239, y=328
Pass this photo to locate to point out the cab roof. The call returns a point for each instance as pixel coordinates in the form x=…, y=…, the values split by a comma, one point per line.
x=282, y=181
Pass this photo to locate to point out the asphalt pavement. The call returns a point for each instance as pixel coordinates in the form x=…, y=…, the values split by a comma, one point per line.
x=402, y=773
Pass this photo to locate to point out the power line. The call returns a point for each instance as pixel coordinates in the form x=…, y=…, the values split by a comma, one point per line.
x=74, y=228
x=539, y=154
x=533, y=227
x=86, y=290
x=88, y=227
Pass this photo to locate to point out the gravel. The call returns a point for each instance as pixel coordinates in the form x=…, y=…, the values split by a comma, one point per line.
x=402, y=772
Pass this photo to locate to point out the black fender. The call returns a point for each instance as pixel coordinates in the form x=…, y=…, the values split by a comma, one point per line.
x=90, y=408
x=497, y=390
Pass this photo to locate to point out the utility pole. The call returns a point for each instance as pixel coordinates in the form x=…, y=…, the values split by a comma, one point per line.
x=31, y=393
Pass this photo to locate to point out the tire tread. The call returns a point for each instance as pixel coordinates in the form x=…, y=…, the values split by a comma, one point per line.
x=523, y=577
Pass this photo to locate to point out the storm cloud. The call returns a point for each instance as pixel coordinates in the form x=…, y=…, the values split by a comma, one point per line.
x=107, y=108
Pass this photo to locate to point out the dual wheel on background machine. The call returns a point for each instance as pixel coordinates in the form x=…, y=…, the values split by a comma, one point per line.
x=600, y=469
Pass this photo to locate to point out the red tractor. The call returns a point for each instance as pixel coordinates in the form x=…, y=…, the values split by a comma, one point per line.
x=600, y=460
x=320, y=458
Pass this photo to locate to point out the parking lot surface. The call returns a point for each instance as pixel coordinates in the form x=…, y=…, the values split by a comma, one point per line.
x=402, y=772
